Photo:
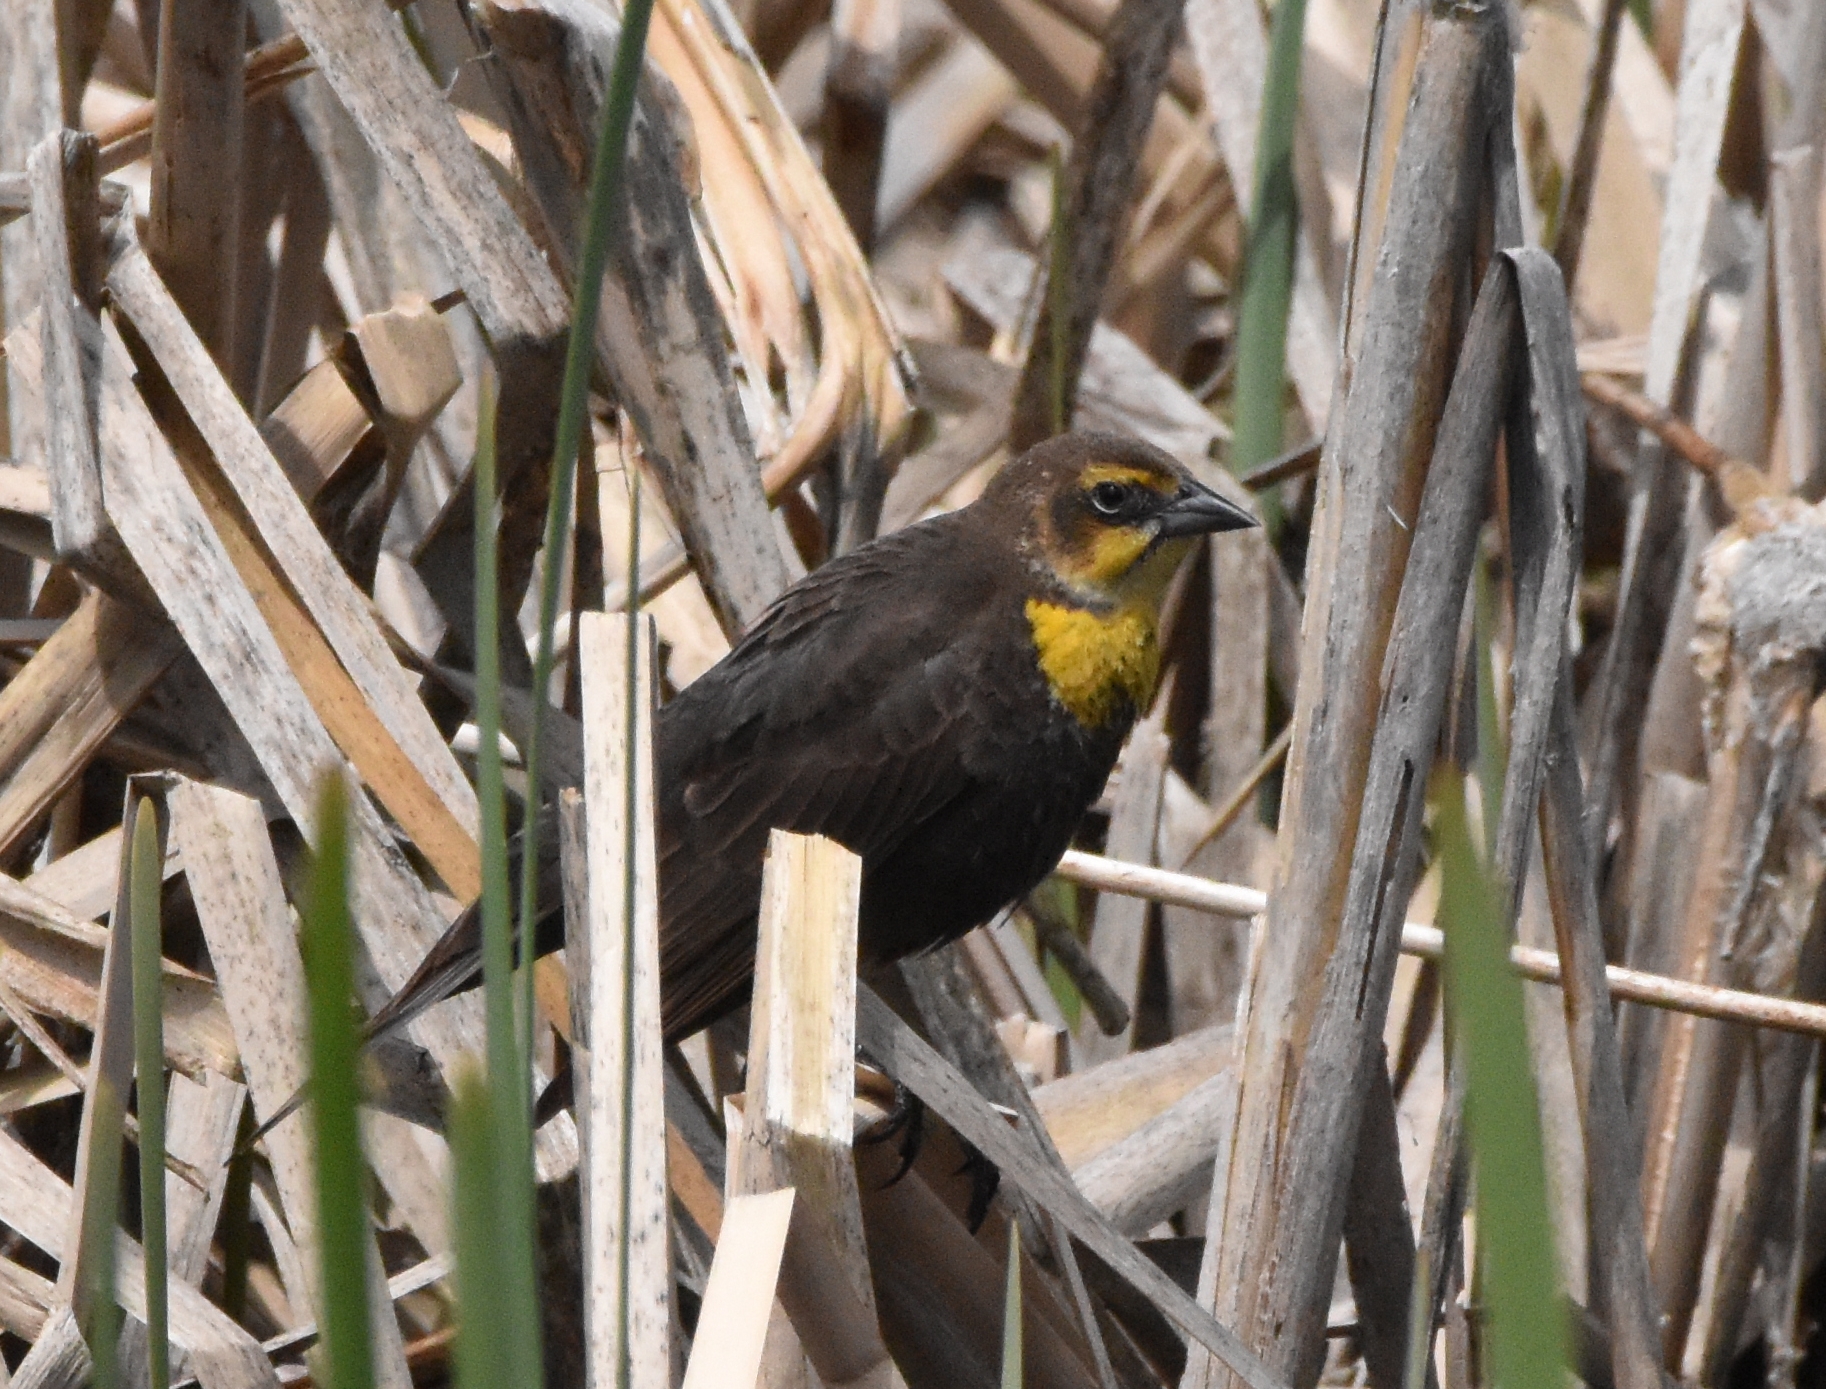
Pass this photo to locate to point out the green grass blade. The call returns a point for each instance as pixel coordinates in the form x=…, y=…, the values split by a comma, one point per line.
x=1527, y=1332
x=342, y=1214
x=1014, y=1371
x=1492, y=747
x=1058, y=899
x=100, y=1215
x=483, y=1355
x=513, y=1307
x=497, y=935
x=592, y=262
x=145, y=876
x=1420, y=1323
x=1267, y=289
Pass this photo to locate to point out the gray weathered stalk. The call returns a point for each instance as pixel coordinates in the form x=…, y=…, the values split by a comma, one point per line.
x=1307, y=1021
x=659, y=334
x=1105, y=160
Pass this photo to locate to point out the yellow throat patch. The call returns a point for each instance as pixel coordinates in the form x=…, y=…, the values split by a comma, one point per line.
x=1093, y=661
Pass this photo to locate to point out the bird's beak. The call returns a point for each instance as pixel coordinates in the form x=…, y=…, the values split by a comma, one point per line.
x=1197, y=510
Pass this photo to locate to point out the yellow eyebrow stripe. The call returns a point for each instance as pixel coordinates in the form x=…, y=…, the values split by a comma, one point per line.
x=1122, y=472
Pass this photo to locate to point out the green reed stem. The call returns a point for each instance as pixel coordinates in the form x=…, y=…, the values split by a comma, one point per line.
x=342, y=1212
x=1014, y=1370
x=1267, y=288
x=600, y=226
x=101, y=1321
x=505, y=1320
x=485, y=1347
x=144, y=880
x=1527, y=1331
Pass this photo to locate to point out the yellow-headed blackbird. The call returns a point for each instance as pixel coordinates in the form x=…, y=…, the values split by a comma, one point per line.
x=946, y=701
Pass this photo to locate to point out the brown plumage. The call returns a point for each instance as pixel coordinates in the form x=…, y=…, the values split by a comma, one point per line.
x=947, y=701
x=895, y=701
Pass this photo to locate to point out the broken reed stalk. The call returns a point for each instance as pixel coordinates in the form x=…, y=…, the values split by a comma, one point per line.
x=798, y=1111
x=616, y=1061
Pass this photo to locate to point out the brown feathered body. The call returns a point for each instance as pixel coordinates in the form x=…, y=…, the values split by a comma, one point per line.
x=946, y=701
x=892, y=702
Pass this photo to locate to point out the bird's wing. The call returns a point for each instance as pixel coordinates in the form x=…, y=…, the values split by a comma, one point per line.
x=852, y=710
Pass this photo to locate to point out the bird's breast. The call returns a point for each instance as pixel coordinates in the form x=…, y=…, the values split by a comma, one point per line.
x=1095, y=663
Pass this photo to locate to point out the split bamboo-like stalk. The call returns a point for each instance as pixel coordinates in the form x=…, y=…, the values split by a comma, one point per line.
x=798, y=1118
x=616, y=1055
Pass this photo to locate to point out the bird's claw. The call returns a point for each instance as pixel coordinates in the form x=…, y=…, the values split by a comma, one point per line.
x=907, y=1121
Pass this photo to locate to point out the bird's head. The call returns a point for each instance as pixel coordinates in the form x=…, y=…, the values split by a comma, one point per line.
x=1109, y=518
x=1104, y=522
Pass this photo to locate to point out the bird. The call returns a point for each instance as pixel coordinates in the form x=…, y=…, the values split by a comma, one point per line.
x=947, y=701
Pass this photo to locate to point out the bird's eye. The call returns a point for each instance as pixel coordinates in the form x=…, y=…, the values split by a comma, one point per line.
x=1108, y=497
